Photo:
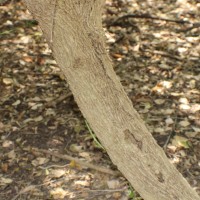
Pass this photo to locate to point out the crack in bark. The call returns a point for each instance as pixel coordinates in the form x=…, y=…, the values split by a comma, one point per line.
x=160, y=177
x=53, y=20
x=99, y=50
x=130, y=138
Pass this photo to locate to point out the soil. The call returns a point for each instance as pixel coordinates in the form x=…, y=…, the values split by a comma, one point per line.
x=155, y=48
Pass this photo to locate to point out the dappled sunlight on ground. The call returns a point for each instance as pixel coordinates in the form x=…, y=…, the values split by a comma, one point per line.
x=155, y=48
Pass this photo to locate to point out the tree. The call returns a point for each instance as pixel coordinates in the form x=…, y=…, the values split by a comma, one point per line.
x=74, y=32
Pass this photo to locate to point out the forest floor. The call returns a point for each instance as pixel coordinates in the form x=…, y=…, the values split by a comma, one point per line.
x=155, y=48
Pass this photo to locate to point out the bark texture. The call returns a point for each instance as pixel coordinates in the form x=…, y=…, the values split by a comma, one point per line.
x=74, y=31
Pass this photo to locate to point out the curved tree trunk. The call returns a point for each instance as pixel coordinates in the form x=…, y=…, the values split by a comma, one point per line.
x=74, y=31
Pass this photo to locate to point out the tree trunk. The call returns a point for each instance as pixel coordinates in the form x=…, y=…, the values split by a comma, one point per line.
x=74, y=32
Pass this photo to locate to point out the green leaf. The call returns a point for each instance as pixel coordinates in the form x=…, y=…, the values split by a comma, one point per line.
x=131, y=193
x=98, y=144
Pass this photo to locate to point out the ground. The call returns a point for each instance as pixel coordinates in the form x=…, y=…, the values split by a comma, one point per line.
x=155, y=48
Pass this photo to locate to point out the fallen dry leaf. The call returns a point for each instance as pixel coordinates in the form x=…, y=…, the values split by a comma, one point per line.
x=58, y=193
x=40, y=161
x=184, y=123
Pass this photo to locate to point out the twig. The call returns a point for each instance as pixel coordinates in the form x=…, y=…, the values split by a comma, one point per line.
x=194, y=25
x=171, y=134
x=53, y=166
x=147, y=16
x=162, y=53
x=82, y=163
x=23, y=191
x=31, y=187
x=97, y=193
x=59, y=99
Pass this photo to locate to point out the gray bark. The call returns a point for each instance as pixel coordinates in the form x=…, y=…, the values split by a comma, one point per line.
x=74, y=31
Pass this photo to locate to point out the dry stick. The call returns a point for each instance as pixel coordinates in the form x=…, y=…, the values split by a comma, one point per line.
x=194, y=25
x=171, y=134
x=59, y=99
x=147, y=16
x=100, y=192
x=82, y=163
x=103, y=193
x=30, y=188
x=162, y=53
x=23, y=191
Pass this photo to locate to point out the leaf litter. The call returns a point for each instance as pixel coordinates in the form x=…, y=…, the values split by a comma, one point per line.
x=155, y=51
